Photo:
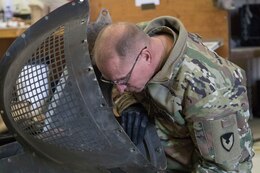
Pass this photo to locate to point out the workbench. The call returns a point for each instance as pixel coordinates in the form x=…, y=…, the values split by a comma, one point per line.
x=7, y=36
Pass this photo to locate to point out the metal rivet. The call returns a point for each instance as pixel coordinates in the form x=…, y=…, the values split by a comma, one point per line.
x=84, y=41
x=102, y=105
x=46, y=17
x=90, y=69
x=23, y=35
x=132, y=150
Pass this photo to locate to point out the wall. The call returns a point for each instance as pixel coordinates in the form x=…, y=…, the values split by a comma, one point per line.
x=199, y=16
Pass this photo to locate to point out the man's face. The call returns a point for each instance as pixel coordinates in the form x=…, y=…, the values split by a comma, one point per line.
x=128, y=76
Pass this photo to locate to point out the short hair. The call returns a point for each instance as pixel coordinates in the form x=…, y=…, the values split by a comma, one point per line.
x=129, y=40
x=124, y=42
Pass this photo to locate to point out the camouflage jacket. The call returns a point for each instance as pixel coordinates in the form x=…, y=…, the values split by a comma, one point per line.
x=199, y=103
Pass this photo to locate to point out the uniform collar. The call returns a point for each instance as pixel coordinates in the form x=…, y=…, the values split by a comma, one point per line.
x=174, y=27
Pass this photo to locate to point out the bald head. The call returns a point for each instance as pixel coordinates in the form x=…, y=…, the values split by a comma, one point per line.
x=121, y=39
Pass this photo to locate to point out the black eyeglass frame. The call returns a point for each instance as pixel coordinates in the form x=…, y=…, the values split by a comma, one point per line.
x=123, y=80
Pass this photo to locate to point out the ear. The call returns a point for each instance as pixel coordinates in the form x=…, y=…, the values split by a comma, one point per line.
x=146, y=56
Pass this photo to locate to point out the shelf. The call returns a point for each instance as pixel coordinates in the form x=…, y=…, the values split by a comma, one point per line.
x=245, y=52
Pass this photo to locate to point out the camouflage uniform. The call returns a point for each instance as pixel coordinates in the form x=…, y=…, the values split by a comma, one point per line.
x=199, y=103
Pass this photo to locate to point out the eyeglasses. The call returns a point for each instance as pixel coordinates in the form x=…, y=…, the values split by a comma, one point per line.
x=123, y=80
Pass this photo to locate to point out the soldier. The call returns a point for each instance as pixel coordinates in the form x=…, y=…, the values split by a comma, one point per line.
x=197, y=99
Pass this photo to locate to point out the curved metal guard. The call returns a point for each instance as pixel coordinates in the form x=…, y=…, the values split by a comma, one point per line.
x=51, y=99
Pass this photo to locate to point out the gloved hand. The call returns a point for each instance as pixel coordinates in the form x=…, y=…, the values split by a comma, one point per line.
x=134, y=121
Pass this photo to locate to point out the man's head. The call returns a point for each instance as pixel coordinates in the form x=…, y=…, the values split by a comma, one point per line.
x=122, y=55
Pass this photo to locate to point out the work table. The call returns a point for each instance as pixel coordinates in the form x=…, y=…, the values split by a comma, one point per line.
x=7, y=36
x=11, y=32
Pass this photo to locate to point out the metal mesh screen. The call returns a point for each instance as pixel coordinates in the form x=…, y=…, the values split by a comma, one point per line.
x=44, y=104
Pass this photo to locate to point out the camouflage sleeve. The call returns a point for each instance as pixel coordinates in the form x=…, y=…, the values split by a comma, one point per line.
x=121, y=101
x=217, y=111
x=219, y=128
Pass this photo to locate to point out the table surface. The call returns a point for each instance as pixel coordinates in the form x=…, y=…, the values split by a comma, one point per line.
x=11, y=32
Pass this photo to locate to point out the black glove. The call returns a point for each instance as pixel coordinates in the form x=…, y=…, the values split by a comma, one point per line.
x=134, y=121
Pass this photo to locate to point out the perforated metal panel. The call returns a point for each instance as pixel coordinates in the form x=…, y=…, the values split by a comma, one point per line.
x=44, y=105
x=33, y=100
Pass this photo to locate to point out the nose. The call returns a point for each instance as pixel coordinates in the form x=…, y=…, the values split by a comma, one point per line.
x=121, y=88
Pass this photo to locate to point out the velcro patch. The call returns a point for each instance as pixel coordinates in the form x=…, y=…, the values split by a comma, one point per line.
x=227, y=141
